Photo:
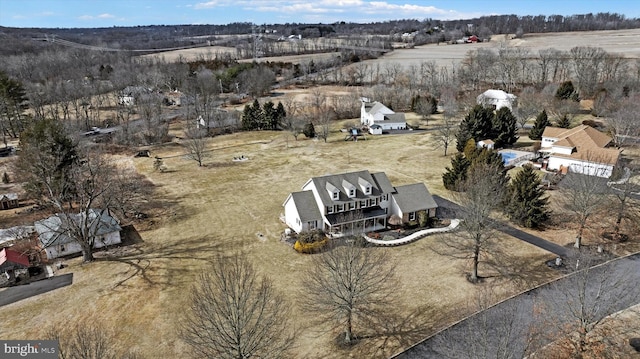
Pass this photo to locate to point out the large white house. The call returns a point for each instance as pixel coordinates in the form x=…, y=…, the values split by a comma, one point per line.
x=54, y=233
x=581, y=149
x=496, y=99
x=379, y=117
x=354, y=202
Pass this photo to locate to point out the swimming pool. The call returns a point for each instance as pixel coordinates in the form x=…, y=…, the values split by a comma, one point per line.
x=507, y=156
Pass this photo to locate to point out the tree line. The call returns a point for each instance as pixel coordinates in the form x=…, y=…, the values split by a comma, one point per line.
x=19, y=41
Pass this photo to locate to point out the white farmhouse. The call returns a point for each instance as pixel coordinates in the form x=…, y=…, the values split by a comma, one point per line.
x=354, y=202
x=496, y=99
x=581, y=149
x=55, y=238
x=375, y=115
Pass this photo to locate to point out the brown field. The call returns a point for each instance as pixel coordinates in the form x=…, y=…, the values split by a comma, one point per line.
x=140, y=291
x=220, y=209
x=626, y=42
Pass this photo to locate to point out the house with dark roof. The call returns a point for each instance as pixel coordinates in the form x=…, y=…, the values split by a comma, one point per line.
x=378, y=117
x=56, y=237
x=354, y=202
x=581, y=149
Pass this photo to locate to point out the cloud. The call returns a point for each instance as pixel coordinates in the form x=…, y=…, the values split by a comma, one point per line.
x=206, y=5
x=332, y=10
x=375, y=9
x=91, y=17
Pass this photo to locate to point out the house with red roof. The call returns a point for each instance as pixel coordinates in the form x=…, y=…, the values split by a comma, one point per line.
x=10, y=261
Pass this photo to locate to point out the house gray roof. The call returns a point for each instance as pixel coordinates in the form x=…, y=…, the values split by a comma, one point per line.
x=375, y=107
x=382, y=182
x=414, y=197
x=394, y=117
x=379, y=185
x=56, y=229
x=15, y=233
x=306, y=206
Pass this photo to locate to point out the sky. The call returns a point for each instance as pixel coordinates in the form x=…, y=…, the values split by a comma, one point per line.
x=103, y=13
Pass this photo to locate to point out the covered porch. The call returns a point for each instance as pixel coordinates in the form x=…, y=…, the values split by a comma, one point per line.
x=356, y=222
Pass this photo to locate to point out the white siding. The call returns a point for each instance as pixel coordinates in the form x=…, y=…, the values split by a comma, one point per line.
x=394, y=208
x=392, y=125
x=63, y=250
x=583, y=167
x=547, y=142
x=291, y=216
x=562, y=150
x=108, y=239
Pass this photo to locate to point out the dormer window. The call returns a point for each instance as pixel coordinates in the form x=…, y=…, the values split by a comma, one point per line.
x=349, y=188
x=334, y=192
x=365, y=186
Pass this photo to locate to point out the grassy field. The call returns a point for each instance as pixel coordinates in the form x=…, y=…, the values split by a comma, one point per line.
x=228, y=207
x=140, y=291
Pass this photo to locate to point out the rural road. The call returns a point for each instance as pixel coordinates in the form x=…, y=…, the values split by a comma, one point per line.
x=14, y=294
x=612, y=286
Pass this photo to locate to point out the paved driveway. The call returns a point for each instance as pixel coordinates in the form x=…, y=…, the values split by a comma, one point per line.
x=14, y=294
x=448, y=209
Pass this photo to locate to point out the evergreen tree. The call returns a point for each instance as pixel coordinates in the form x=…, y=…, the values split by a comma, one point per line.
x=542, y=121
x=566, y=91
x=526, y=204
x=454, y=177
x=13, y=104
x=471, y=150
x=564, y=122
x=252, y=117
x=309, y=131
x=477, y=124
x=280, y=115
x=269, y=116
x=47, y=158
x=463, y=136
x=489, y=164
x=505, y=127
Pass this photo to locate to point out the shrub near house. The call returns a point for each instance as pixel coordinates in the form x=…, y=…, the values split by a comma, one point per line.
x=310, y=242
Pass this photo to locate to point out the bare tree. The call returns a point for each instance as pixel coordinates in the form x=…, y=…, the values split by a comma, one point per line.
x=81, y=186
x=445, y=134
x=624, y=124
x=506, y=332
x=528, y=106
x=349, y=287
x=623, y=205
x=588, y=63
x=233, y=312
x=477, y=234
x=576, y=308
x=86, y=341
x=584, y=196
x=196, y=144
